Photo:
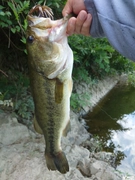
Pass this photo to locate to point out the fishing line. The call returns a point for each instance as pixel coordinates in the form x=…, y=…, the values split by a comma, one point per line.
x=106, y=113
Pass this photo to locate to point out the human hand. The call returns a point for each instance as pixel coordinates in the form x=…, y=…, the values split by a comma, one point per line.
x=80, y=24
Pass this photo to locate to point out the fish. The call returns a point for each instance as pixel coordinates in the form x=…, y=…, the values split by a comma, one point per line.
x=50, y=63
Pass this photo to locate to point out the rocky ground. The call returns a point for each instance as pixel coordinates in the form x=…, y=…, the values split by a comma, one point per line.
x=22, y=154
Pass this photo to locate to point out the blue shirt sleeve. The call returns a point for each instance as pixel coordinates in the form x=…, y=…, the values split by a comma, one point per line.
x=114, y=19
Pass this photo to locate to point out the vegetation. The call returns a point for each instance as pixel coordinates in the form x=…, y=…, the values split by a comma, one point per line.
x=15, y=96
x=96, y=58
x=131, y=78
x=93, y=58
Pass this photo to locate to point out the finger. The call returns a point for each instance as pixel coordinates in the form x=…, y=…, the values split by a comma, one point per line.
x=80, y=21
x=71, y=26
x=67, y=9
x=86, y=26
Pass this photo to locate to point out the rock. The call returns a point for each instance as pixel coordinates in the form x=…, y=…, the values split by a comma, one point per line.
x=4, y=118
x=103, y=171
x=22, y=154
x=106, y=157
x=95, y=167
x=84, y=168
x=11, y=131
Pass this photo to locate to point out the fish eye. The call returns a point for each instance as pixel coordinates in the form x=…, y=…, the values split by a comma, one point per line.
x=30, y=39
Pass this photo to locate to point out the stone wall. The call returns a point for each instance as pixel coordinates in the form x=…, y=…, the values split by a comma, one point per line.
x=98, y=90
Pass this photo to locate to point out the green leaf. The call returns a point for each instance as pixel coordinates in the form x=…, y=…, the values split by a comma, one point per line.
x=14, y=10
x=2, y=13
x=8, y=13
x=13, y=30
x=23, y=40
x=25, y=24
x=18, y=28
x=2, y=7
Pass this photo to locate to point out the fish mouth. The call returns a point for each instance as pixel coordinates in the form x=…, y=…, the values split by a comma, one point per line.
x=42, y=17
x=42, y=25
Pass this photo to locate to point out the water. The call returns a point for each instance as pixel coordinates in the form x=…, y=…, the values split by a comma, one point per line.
x=113, y=120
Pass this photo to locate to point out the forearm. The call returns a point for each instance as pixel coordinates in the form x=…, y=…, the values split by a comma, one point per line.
x=114, y=19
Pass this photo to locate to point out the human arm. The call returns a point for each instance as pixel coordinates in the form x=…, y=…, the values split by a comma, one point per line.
x=115, y=20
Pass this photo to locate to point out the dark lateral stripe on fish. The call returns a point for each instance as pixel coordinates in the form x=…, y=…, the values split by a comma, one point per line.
x=50, y=130
x=58, y=91
x=51, y=122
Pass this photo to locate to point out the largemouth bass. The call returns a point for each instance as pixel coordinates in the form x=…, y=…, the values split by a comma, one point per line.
x=50, y=62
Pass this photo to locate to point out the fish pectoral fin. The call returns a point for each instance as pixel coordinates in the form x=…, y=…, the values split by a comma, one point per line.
x=58, y=91
x=36, y=126
x=57, y=162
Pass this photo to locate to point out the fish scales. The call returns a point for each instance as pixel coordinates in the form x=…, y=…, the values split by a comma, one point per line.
x=50, y=111
x=50, y=62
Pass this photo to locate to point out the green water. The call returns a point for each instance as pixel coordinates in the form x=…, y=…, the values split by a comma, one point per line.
x=113, y=120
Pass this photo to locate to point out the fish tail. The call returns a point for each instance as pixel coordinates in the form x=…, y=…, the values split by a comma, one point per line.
x=57, y=162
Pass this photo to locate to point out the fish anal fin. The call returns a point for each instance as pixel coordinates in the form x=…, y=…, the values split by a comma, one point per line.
x=58, y=91
x=67, y=129
x=36, y=126
x=57, y=162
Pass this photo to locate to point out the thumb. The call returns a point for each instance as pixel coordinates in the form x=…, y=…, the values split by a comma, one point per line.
x=67, y=9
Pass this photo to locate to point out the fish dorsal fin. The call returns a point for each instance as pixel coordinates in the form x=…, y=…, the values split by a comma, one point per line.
x=58, y=91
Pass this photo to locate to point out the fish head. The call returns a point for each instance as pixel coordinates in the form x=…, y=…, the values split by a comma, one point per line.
x=47, y=45
x=43, y=32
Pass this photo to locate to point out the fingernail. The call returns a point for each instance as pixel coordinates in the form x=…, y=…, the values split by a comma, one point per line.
x=82, y=16
x=89, y=16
